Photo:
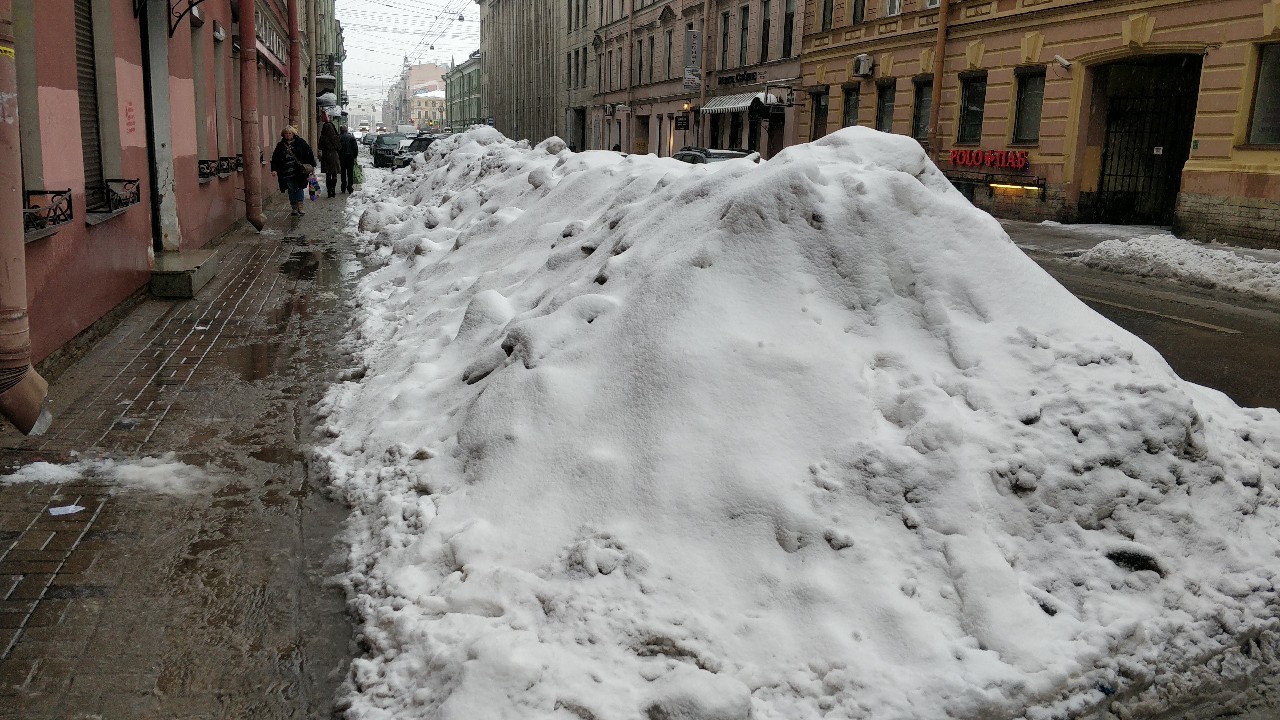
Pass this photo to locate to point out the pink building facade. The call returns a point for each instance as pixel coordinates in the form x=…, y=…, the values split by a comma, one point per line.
x=130, y=144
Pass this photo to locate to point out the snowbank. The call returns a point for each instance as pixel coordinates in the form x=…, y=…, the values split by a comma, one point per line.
x=1164, y=256
x=810, y=438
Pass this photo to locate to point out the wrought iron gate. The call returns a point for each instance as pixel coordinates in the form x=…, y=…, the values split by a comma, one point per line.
x=1148, y=141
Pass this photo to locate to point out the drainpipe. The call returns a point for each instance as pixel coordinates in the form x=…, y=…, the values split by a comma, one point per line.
x=23, y=393
x=295, y=65
x=939, y=55
x=251, y=142
x=149, y=124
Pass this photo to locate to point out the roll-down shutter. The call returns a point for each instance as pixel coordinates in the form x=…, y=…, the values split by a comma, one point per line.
x=87, y=88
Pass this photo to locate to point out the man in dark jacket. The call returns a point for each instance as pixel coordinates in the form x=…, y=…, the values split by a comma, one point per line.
x=348, y=151
x=329, y=162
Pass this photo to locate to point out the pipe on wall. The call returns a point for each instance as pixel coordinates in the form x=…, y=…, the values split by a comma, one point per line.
x=23, y=393
x=251, y=141
x=939, y=65
x=295, y=66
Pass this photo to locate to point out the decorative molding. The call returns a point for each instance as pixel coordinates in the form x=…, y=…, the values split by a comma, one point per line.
x=1136, y=31
x=973, y=54
x=926, y=59
x=1032, y=45
x=885, y=64
x=667, y=14
x=979, y=10
x=1271, y=18
x=820, y=74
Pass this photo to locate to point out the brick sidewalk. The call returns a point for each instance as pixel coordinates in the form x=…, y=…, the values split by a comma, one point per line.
x=205, y=605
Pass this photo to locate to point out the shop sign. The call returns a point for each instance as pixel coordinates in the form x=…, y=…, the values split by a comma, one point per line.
x=691, y=79
x=742, y=78
x=999, y=159
x=682, y=121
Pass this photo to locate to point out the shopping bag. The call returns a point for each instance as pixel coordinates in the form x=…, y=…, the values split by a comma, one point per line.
x=358, y=174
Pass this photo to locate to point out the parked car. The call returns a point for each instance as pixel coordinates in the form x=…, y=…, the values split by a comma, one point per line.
x=702, y=156
x=385, y=149
x=368, y=138
x=417, y=145
x=408, y=131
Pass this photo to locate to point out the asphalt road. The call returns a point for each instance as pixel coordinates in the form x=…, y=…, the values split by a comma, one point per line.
x=1217, y=338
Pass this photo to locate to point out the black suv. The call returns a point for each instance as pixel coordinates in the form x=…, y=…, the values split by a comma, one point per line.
x=385, y=149
x=419, y=144
x=702, y=156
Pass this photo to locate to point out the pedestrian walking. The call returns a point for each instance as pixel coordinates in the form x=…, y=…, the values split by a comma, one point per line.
x=293, y=162
x=348, y=151
x=330, y=165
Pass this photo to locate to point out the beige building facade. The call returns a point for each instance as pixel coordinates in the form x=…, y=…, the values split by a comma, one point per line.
x=522, y=66
x=1156, y=112
x=745, y=61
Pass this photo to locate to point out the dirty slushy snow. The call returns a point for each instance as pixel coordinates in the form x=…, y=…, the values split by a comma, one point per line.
x=1165, y=256
x=806, y=439
x=162, y=475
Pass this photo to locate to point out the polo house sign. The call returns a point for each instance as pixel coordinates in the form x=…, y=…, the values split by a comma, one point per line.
x=998, y=159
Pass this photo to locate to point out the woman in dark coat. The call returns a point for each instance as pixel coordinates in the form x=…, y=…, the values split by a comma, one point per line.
x=330, y=162
x=291, y=154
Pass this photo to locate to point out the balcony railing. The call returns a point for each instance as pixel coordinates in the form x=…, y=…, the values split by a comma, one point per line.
x=226, y=166
x=207, y=169
x=115, y=195
x=44, y=211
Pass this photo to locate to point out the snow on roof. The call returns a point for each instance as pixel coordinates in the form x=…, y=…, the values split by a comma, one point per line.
x=808, y=438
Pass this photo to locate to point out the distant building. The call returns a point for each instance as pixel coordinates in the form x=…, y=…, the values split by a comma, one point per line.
x=521, y=43
x=424, y=77
x=464, y=103
x=428, y=110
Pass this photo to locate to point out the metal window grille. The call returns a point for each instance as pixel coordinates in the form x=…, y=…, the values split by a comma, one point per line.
x=87, y=90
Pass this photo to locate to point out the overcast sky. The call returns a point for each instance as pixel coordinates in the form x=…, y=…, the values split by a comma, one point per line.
x=380, y=33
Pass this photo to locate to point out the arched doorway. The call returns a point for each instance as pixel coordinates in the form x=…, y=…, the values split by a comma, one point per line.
x=1145, y=110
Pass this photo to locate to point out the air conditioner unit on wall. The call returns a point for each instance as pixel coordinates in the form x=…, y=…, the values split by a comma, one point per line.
x=863, y=65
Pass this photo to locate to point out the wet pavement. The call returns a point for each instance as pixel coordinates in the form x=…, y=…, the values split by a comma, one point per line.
x=208, y=603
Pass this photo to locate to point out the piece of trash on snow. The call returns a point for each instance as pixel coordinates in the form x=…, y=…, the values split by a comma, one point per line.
x=65, y=510
x=202, y=327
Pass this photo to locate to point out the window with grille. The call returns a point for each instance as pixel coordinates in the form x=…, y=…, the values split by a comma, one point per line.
x=1026, y=120
x=1264, y=123
x=973, y=101
x=850, y=117
x=884, y=105
x=923, y=107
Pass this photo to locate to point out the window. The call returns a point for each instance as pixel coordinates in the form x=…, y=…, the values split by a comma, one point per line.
x=582, y=69
x=820, y=101
x=884, y=105
x=850, y=117
x=923, y=106
x=638, y=63
x=930, y=4
x=568, y=69
x=1026, y=120
x=1264, y=126
x=744, y=18
x=200, y=83
x=765, y=12
x=973, y=99
x=669, y=41
x=610, y=69
x=859, y=10
x=220, y=97
x=827, y=7
x=892, y=7
x=724, y=40
x=600, y=66
x=652, y=58
x=87, y=90
x=788, y=28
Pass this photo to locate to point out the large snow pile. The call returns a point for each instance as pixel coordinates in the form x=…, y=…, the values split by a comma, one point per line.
x=1164, y=256
x=811, y=438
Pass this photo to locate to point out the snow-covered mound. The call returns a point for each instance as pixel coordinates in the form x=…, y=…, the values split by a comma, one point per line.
x=804, y=439
x=1164, y=256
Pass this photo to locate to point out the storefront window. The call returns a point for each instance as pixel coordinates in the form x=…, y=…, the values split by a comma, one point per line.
x=1264, y=128
x=850, y=117
x=923, y=106
x=973, y=102
x=1026, y=122
x=884, y=105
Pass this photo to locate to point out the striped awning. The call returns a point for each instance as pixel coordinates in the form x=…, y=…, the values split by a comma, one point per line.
x=737, y=103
